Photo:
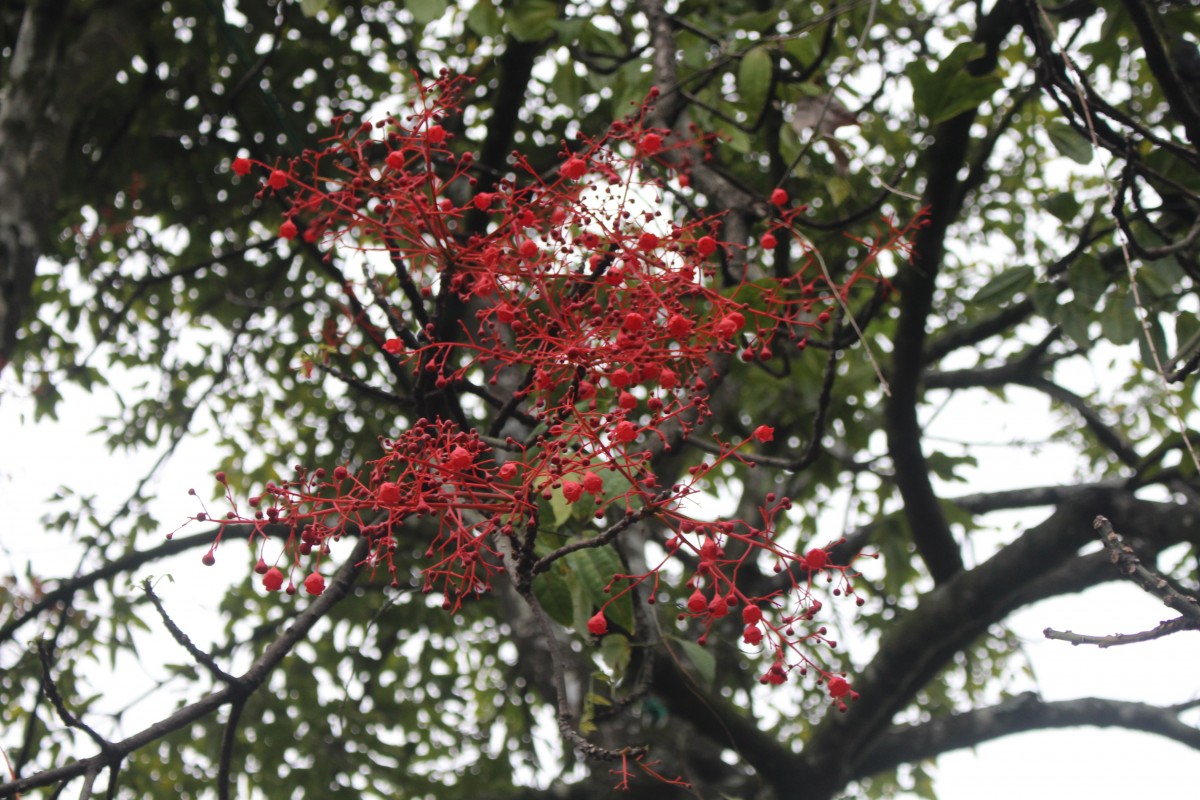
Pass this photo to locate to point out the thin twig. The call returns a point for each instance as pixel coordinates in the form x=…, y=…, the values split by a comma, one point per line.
x=1130, y=566
x=198, y=655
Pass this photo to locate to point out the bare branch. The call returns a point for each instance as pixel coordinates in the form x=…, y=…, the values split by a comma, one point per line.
x=248, y=682
x=1152, y=582
x=910, y=743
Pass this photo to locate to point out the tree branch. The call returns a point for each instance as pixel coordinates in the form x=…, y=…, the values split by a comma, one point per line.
x=248, y=682
x=943, y=197
x=1026, y=712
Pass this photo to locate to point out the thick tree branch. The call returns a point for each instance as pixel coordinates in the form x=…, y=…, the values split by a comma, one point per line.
x=909, y=743
x=917, y=646
x=943, y=198
x=1173, y=85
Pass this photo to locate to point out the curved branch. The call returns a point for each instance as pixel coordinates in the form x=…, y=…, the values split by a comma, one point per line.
x=67, y=588
x=923, y=641
x=248, y=682
x=944, y=195
x=908, y=743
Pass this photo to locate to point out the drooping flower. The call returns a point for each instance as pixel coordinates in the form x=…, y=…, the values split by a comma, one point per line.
x=597, y=625
x=838, y=687
x=572, y=490
x=273, y=579
x=314, y=584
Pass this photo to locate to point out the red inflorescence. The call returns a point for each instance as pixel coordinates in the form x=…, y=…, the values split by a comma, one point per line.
x=616, y=330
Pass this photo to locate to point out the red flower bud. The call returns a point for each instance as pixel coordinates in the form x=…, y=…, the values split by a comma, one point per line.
x=764, y=433
x=574, y=169
x=314, y=584
x=815, y=560
x=651, y=143
x=838, y=687
x=273, y=579
x=597, y=625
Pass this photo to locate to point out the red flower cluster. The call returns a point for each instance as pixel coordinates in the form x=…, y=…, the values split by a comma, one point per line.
x=603, y=318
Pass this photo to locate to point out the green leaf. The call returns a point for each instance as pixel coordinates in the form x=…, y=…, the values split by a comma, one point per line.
x=1003, y=287
x=1088, y=280
x=310, y=8
x=1063, y=206
x=839, y=189
x=1119, y=323
x=945, y=465
x=484, y=20
x=593, y=569
x=802, y=49
x=553, y=592
x=1074, y=319
x=616, y=652
x=426, y=11
x=1069, y=142
x=950, y=90
x=530, y=20
x=754, y=78
x=704, y=664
